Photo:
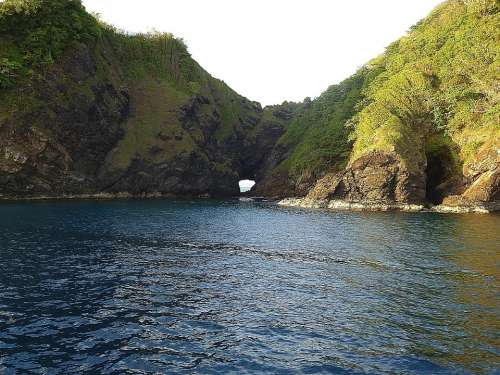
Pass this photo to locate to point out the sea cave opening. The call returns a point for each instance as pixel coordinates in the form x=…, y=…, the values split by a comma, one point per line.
x=437, y=175
x=246, y=185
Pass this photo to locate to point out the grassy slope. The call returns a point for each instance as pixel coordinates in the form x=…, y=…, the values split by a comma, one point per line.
x=436, y=88
x=162, y=77
x=155, y=70
x=439, y=81
x=319, y=138
x=317, y=134
x=151, y=72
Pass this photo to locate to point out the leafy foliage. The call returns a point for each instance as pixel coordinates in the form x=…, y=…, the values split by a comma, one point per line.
x=441, y=77
x=8, y=72
x=36, y=32
x=318, y=135
x=440, y=81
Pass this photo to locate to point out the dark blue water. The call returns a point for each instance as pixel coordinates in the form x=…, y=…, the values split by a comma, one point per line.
x=226, y=287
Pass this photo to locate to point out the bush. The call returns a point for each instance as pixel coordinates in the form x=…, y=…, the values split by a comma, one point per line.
x=41, y=30
x=8, y=72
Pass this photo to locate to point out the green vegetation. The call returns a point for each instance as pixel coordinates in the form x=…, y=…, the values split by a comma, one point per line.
x=318, y=134
x=8, y=72
x=158, y=55
x=153, y=114
x=439, y=82
x=36, y=32
x=434, y=92
x=441, y=77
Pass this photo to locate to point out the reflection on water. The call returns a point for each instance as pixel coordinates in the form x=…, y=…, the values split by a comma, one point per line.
x=225, y=286
x=478, y=290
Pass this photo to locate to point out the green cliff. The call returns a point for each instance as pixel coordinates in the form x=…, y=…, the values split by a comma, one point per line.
x=87, y=109
x=418, y=124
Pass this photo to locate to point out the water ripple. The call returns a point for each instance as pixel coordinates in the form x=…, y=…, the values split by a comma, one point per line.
x=221, y=287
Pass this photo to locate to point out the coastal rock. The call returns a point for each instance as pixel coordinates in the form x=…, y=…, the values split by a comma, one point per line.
x=90, y=129
x=376, y=177
x=381, y=177
x=485, y=188
x=110, y=113
x=340, y=205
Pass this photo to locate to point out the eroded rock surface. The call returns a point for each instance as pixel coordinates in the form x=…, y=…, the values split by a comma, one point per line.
x=376, y=177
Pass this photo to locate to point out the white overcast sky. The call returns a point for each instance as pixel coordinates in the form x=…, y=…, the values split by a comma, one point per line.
x=273, y=50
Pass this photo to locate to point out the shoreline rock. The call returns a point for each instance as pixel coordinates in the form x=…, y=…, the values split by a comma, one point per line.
x=340, y=205
x=96, y=196
x=308, y=203
x=485, y=208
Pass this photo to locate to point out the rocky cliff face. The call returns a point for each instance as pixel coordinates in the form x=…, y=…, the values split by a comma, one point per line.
x=93, y=131
x=418, y=125
x=97, y=111
x=375, y=177
x=119, y=113
x=59, y=144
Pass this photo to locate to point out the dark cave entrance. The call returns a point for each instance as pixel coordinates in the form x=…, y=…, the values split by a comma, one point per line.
x=438, y=172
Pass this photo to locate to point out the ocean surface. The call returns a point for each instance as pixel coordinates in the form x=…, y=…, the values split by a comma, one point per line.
x=211, y=287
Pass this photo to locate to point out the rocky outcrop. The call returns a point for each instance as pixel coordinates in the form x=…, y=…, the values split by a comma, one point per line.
x=378, y=178
x=103, y=114
x=483, y=174
x=340, y=205
x=380, y=182
x=95, y=131
x=483, y=195
x=59, y=145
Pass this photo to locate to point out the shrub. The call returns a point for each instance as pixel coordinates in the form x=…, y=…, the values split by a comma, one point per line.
x=8, y=72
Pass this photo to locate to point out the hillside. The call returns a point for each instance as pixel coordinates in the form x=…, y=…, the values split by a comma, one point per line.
x=418, y=124
x=87, y=109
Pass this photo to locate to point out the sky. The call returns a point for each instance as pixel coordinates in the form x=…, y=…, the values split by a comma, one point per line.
x=246, y=185
x=273, y=50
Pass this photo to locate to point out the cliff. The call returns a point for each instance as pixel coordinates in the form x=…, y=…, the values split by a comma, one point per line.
x=86, y=109
x=418, y=125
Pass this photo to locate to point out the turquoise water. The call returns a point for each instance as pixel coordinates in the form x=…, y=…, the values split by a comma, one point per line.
x=230, y=287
